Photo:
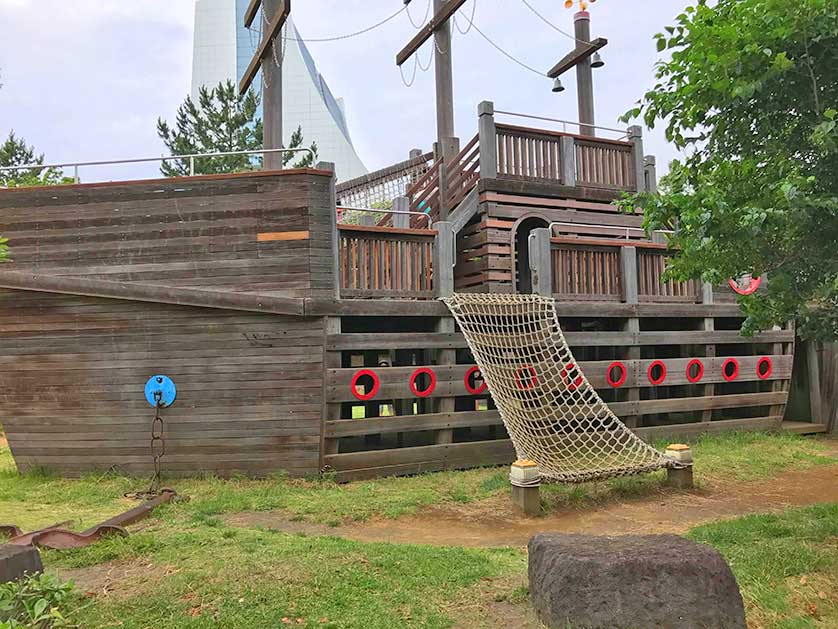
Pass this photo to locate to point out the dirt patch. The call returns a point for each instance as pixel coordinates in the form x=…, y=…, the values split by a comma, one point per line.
x=494, y=602
x=116, y=578
x=496, y=523
x=279, y=521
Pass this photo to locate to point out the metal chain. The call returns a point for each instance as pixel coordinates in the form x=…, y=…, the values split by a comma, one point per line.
x=158, y=450
x=158, y=445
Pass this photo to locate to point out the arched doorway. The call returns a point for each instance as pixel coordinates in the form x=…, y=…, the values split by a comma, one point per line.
x=523, y=276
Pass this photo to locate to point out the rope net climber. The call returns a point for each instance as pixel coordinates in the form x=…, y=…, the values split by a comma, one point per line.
x=552, y=413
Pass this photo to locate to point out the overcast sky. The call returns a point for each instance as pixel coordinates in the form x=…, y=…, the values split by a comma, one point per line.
x=87, y=79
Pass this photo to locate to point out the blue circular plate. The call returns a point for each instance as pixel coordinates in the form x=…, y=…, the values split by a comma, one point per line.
x=162, y=388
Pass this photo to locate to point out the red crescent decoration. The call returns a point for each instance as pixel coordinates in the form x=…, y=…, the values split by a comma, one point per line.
x=431, y=386
x=572, y=386
x=660, y=380
x=694, y=379
x=474, y=390
x=735, y=374
x=752, y=287
x=619, y=381
x=533, y=380
x=765, y=360
x=376, y=383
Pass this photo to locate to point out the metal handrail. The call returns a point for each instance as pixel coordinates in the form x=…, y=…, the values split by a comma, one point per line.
x=378, y=211
x=191, y=157
x=564, y=123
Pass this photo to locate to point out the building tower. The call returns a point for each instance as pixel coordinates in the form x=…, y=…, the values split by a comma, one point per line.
x=222, y=49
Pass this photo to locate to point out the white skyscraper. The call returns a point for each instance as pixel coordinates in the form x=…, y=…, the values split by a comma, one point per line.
x=223, y=48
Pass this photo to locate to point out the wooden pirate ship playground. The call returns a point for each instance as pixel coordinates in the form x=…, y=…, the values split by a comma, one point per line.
x=300, y=342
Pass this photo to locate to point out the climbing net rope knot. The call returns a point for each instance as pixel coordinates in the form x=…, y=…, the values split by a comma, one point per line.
x=552, y=413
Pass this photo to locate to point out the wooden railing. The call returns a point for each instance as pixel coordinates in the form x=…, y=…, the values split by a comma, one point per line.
x=605, y=269
x=462, y=173
x=585, y=271
x=424, y=193
x=604, y=163
x=650, y=267
x=383, y=262
x=524, y=153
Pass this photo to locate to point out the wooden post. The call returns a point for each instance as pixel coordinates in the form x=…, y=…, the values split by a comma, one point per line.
x=709, y=325
x=568, y=150
x=444, y=259
x=526, y=485
x=541, y=262
x=488, y=138
x=444, y=73
x=584, y=75
x=331, y=411
x=272, y=96
x=680, y=477
x=442, y=182
x=401, y=204
x=650, y=163
x=333, y=219
x=628, y=275
x=635, y=136
x=449, y=147
x=630, y=295
x=814, y=372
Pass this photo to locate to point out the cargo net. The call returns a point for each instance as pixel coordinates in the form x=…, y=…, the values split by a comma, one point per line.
x=552, y=413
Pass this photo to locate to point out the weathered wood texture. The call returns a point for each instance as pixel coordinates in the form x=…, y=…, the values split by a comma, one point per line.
x=487, y=246
x=73, y=371
x=453, y=426
x=384, y=262
x=267, y=233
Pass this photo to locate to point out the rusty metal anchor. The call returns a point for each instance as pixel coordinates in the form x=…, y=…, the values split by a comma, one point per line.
x=56, y=537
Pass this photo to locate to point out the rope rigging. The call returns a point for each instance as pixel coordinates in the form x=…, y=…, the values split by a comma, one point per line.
x=553, y=414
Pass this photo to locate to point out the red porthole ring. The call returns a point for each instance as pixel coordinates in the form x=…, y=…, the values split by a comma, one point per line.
x=730, y=377
x=529, y=384
x=623, y=374
x=475, y=372
x=661, y=378
x=431, y=386
x=749, y=289
x=376, y=383
x=577, y=382
x=695, y=362
x=769, y=367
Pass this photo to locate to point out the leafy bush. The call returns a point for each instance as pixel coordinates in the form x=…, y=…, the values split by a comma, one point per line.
x=35, y=601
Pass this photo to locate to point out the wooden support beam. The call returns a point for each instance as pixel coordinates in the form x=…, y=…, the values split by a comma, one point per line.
x=442, y=16
x=251, y=11
x=571, y=59
x=283, y=10
x=541, y=262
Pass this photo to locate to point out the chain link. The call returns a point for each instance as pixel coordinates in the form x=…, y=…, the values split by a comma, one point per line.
x=158, y=450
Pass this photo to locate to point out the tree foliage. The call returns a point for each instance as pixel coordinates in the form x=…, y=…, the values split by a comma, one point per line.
x=15, y=152
x=221, y=121
x=750, y=94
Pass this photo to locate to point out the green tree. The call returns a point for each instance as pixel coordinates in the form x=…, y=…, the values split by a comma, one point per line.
x=221, y=121
x=750, y=94
x=15, y=152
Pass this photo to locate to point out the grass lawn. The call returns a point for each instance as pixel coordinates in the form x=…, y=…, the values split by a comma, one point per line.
x=186, y=568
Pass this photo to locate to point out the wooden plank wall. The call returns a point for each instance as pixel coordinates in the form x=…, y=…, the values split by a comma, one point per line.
x=72, y=372
x=485, y=261
x=266, y=233
x=396, y=437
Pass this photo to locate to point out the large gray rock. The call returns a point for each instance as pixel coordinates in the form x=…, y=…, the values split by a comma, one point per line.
x=16, y=561
x=632, y=581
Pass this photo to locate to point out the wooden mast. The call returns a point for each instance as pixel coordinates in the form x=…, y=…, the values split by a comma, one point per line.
x=270, y=62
